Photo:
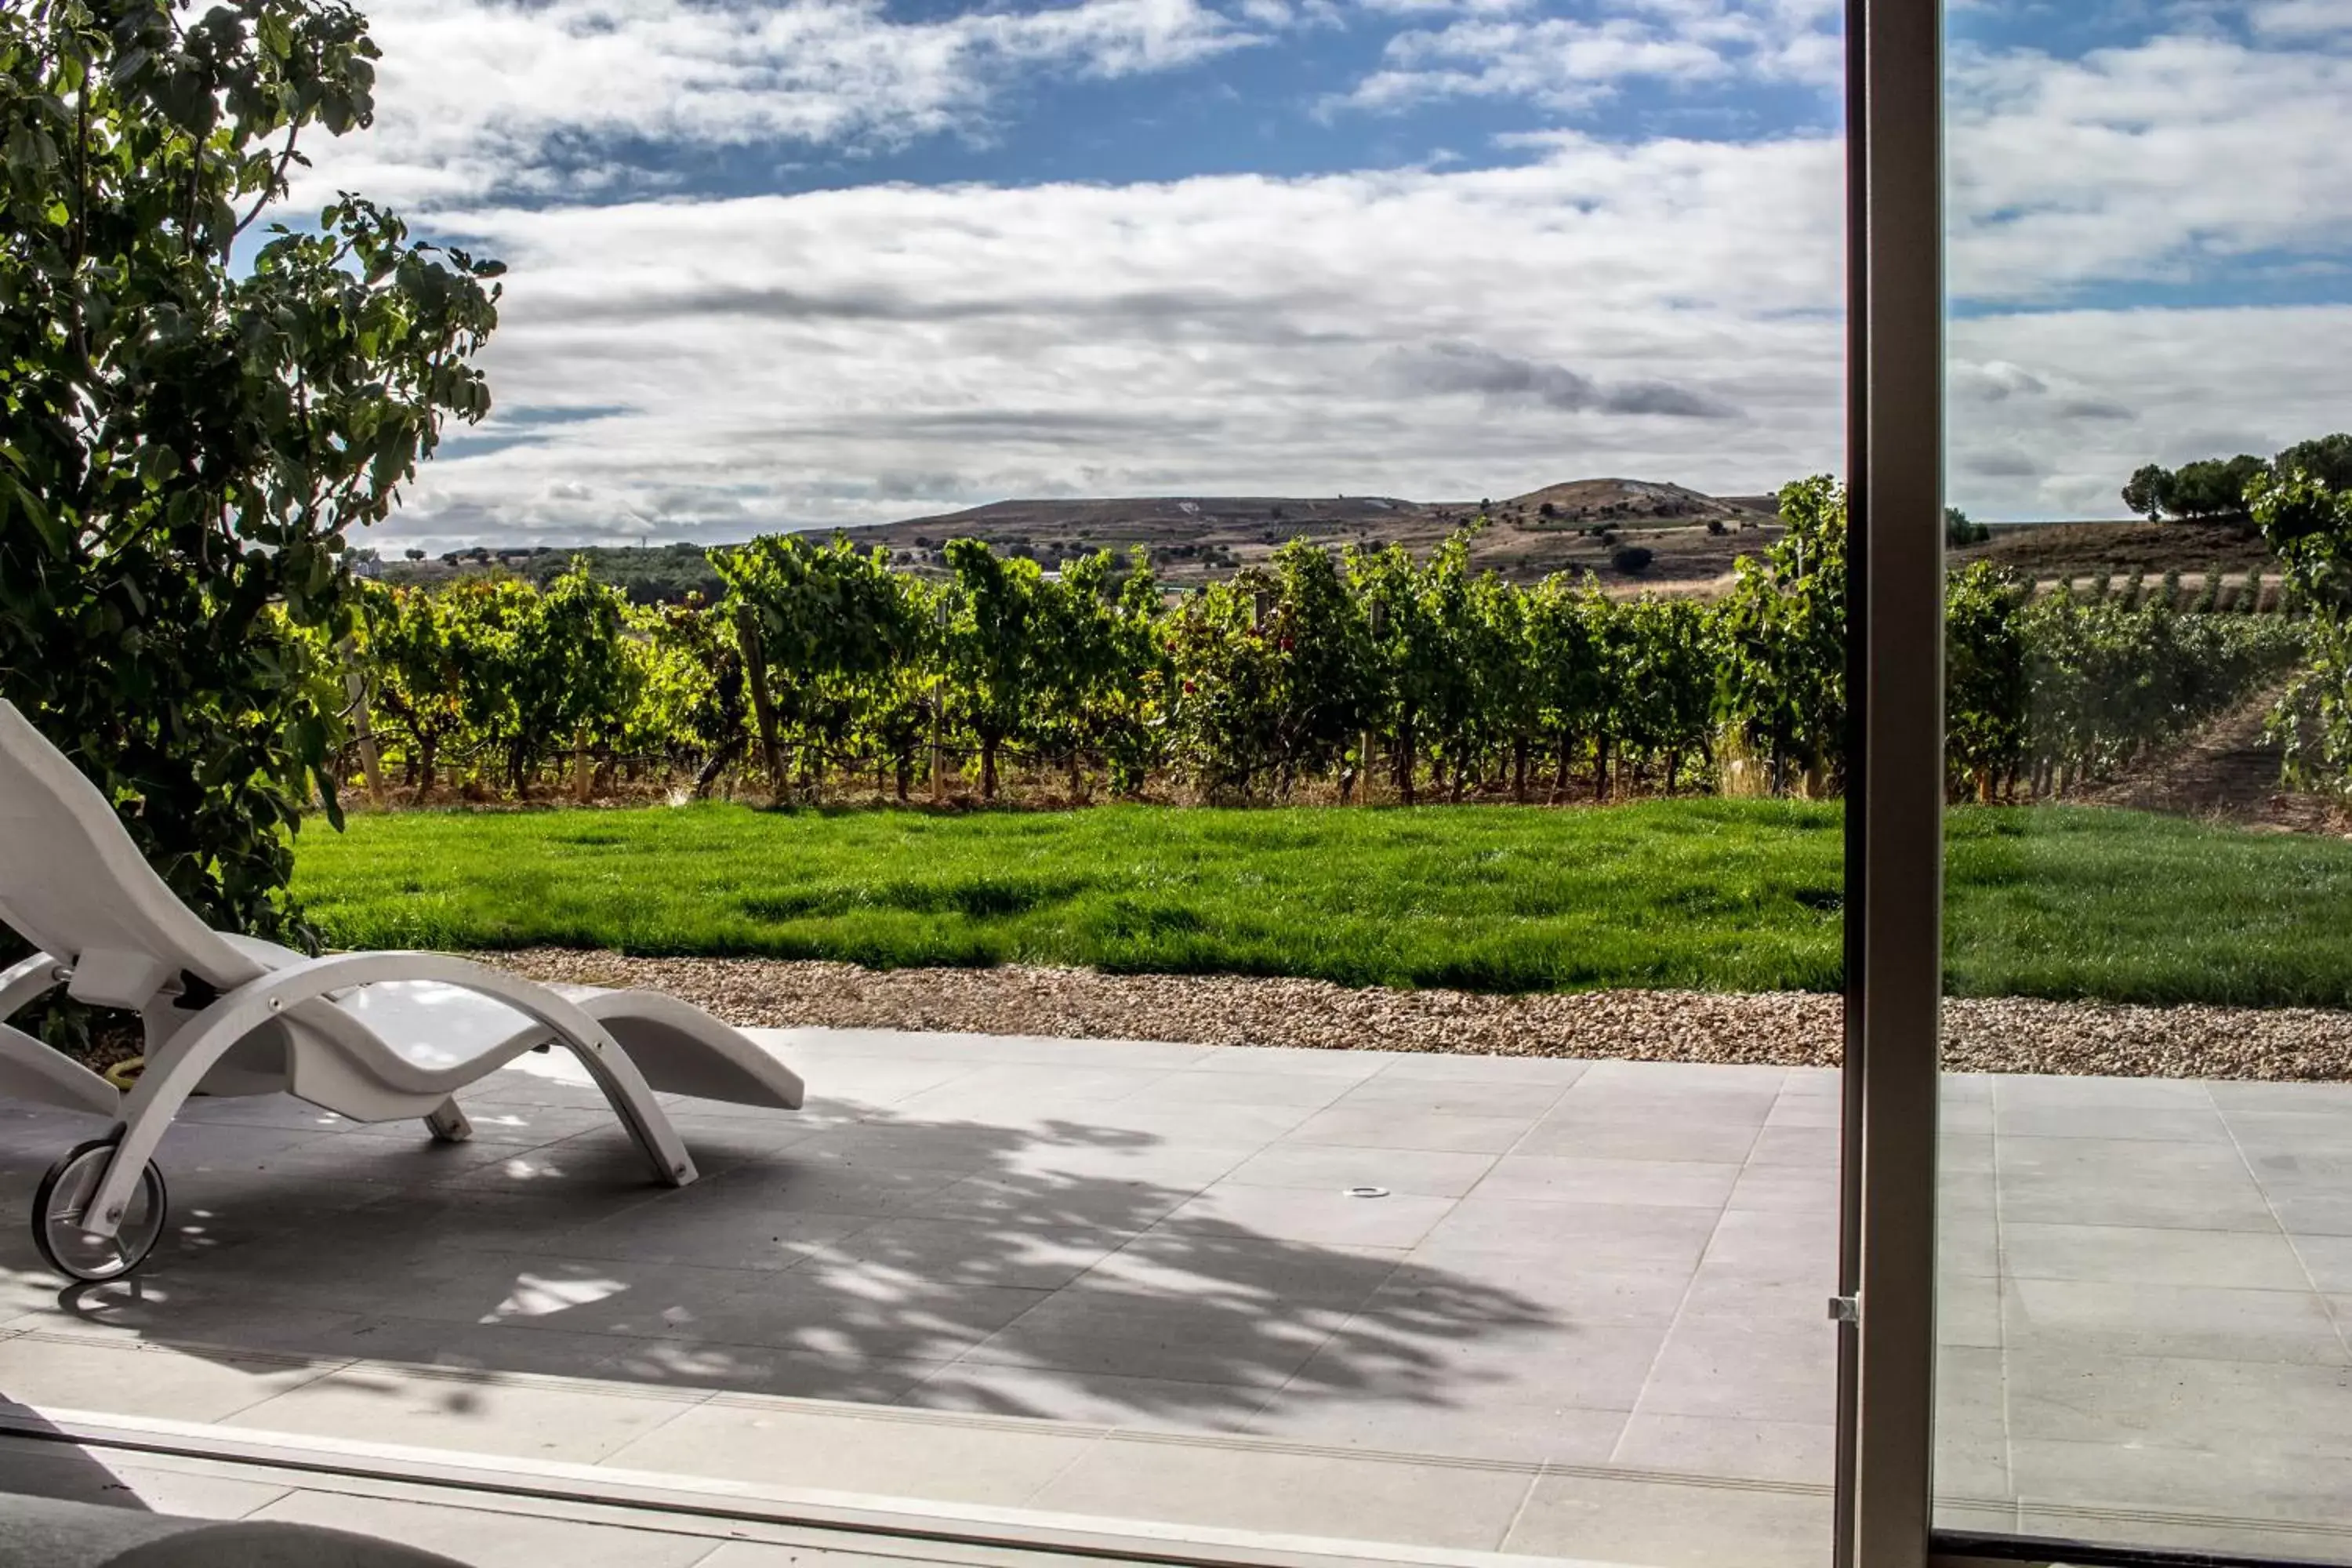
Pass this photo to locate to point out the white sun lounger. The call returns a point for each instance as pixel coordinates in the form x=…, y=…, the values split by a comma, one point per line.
x=374, y=1037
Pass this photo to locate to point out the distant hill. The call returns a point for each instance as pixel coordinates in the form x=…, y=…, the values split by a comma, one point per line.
x=1577, y=526
x=1694, y=537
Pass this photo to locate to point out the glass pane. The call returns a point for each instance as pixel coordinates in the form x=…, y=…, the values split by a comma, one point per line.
x=2147, y=1199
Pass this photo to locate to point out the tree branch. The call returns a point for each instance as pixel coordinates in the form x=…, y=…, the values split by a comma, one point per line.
x=276, y=183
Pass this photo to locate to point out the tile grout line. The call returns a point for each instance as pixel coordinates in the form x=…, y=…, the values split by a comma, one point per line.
x=2326, y=1305
x=1690, y=1287
x=2000, y=1293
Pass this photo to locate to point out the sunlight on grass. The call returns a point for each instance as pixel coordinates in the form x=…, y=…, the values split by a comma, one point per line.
x=1710, y=894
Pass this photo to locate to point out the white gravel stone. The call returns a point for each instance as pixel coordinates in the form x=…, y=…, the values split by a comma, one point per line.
x=1790, y=1028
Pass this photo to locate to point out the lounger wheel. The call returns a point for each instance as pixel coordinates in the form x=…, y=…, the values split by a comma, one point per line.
x=63, y=1198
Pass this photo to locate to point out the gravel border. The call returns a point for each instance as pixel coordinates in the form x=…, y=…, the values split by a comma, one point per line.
x=1789, y=1028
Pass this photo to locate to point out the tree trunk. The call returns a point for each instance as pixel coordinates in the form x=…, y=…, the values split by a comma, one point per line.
x=906, y=774
x=1601, y=768
x=1077, y=785
x=1519, y=769
x=717, y=765
x=1404, y=768
x=1559, y=772
x=987, y=768
x=755, y=675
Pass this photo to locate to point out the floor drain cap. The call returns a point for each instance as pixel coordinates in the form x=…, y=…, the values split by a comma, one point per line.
x=1367, y=1192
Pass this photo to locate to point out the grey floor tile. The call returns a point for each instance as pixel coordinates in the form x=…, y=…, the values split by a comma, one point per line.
x=476, y=1412
x=2149, y=1123
x=2035, y=1092
x=860, y=1312
x=2263, y=1485
x=1408, y=1126
x=2328, y=1260
x=1321, y=1217
x=1458, y=1505
x=882, y=1452
x=132, y=1379
x=716, y=1367
x=1773, y=1370
x=1123, y=1334
x=484, y=1538
x=1453, y=1096
x=1586, y=1366
x=1103, y=1399
x=2211, y=1323
x=1643, y=1138
x=1331, y=1167
x=1609, y=1238
x=706, y=1226
x=1968, y=1311
x=1552, y=1072
x=2128, y=1255
x=1007, y=1255
x=1664, y=1524
x=114, y=1478
x=1470, y=1424
x=2129, y=1182
x=1808, y=1190
x=1227, y=1270
x=1766, y=1450
x=2081, y=1396
x=1678, y=1183
x=1310, y=1090
x=1783, y=1145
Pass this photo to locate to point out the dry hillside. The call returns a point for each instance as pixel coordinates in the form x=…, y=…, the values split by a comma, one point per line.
x=1573, y=527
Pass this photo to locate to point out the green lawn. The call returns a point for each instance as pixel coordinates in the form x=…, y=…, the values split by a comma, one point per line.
x=1728, y=895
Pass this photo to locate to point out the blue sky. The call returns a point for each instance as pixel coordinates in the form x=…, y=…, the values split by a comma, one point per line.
x=807, y=263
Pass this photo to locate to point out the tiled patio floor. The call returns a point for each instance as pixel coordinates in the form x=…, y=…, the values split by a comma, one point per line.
x=1125, y=1280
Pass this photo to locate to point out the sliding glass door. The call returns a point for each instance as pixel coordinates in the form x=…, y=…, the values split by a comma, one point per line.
x=2144, y=1240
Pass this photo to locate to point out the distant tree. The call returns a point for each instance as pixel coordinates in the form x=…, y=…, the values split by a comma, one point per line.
x=1958, y=531
x=2213, y=487
x=1633, y=559
x=414, y=554
x=1547, y=509
x=2148, y=493
x=2327, y=459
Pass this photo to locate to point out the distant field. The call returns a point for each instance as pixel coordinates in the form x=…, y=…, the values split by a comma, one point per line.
x=1707, y=894
x=2059, y=548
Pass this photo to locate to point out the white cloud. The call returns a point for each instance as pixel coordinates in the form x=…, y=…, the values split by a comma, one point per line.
x=2145, y=163
x=1666, y=309
x=2119, y=388
x=483, y=96
x=862, y=355
x=2302, y=19
x=1492, y=50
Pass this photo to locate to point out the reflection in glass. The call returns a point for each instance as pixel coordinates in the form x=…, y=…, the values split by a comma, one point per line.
x=2145, y=1244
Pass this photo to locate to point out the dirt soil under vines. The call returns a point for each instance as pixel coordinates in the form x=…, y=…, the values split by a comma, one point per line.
x=2228, y=772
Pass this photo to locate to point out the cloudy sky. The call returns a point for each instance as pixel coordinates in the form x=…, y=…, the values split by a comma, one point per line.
x=795, y=263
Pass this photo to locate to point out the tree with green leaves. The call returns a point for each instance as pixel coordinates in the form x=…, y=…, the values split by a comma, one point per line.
x=1565, y=622
x=1783, y=627
x=2148, y=493
x=995, y=663
x=818, y=624
x=2327, y=459
x=185, y=443
x=2307, y=522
